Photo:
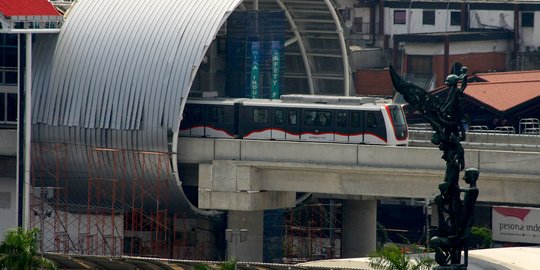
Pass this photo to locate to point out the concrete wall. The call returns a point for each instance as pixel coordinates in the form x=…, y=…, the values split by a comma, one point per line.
x=8, y=142
x=414, y=22
x=8, y=197
x=373, y=82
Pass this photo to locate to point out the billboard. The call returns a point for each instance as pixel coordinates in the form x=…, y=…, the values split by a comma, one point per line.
x=516, y=224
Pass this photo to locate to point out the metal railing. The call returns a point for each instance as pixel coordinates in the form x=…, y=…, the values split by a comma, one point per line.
x=501, y=138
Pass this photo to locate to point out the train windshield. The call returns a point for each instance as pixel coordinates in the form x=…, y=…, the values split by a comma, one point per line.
x=397, y=115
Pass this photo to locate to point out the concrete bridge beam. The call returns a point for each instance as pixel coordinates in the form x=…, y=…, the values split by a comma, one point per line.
x=257, y=185
x=228, y=185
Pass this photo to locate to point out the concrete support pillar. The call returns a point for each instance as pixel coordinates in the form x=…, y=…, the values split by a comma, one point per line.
x=359, y=228
x=250, y=250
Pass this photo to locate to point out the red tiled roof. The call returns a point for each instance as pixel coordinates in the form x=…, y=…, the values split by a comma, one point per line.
x=514, y=76
x=503, y=96
x=10, y=8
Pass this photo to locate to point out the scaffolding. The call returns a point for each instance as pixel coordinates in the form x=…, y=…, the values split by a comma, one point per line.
x=47, y=205
x=118, y=204
x=313, y=231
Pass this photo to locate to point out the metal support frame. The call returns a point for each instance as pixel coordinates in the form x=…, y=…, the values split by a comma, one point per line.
x=301, y=45
x=341, y=37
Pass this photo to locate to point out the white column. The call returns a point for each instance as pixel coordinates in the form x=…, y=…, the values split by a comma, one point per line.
x=250, y=250
x=359, y=228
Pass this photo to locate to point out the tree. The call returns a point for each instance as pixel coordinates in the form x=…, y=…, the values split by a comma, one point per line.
x=391, y=257
x=19, y=251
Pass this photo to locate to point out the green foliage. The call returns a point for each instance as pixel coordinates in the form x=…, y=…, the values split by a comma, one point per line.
x=392, y=257
x=202, y=267
x=228, y=265
x=19, y=251
x=382, y=235
x=480, y=237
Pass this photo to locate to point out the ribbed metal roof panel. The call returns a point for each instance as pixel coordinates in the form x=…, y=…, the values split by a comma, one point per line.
x=116, y=78
x=113, y=62
x=503, y=96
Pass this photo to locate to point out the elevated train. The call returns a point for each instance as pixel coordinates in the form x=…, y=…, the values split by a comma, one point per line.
x=364, y=120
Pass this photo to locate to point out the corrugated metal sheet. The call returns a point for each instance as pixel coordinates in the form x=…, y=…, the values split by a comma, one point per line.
x=116, y=77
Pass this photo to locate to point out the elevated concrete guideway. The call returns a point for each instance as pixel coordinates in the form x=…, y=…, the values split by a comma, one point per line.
x=246, y=177
x=246, y=174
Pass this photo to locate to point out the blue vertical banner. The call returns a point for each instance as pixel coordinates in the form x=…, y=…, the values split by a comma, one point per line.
x=255, y=50
x=276, y=47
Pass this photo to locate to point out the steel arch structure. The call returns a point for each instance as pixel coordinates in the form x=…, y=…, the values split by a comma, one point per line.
x=112, y=85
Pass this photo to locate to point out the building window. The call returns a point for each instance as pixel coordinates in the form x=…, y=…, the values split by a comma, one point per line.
x=428, y=17
x=400, y=17
x=420, y=64
x=359, y=25
x=455, y=18
x=527, y=19
x=8, y=108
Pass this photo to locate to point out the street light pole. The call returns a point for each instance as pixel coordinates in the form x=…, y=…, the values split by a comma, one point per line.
x=27, y=131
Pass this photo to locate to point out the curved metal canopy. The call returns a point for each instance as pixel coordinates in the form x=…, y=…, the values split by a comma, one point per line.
x=108, y=95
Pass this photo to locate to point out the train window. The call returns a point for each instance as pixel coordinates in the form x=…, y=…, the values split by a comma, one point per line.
x=278, y=116
x=292, y=117
x=371, y=120
x=317, y=118
x=309, y=118
x=217, y=114
x=355, y=119
x=260, y=116
x=397, y=116
x=194, y=114
x=342, y=119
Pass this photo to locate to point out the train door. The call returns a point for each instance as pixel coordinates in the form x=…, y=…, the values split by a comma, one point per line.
x=356, y=127
x=193, y=122
x=374, y=128
x=278, y=125
x=341, y=130
x=317, y=125
x=292, y=124
x=219, y=121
